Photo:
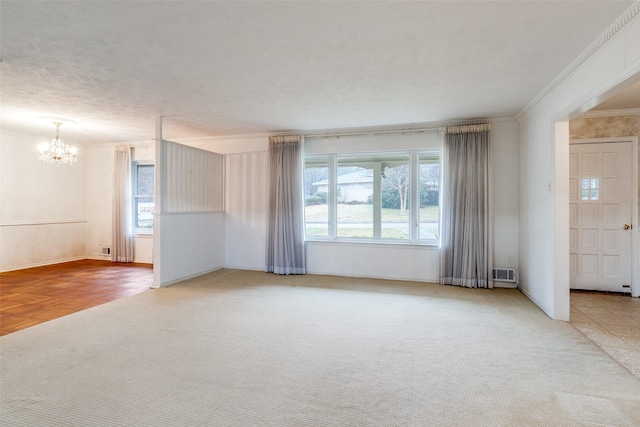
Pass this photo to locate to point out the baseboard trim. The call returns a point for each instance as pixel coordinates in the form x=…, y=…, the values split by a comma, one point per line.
x=99, y=258
x=528, y=295
x=108, y=259
x=232, y=267
x=182, y=279
x=359, y=276
x=42, y=264
x=506, y=285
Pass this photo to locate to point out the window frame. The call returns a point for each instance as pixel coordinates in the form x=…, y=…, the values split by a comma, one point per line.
x=414, y=160
x=135, y=195
x=418, y=161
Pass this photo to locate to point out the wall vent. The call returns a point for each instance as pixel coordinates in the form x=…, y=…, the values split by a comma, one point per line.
x=504, y=274
x=105, y=250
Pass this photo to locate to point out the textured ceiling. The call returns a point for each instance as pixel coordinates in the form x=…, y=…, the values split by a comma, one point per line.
x=220, y=68
x=628, y=99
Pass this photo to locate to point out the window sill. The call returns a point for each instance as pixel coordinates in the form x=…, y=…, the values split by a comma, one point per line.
x=143, y=234
x=370, y=242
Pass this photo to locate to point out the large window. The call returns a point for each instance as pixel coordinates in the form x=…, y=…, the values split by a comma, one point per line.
x=143, y=190
x=375, y=196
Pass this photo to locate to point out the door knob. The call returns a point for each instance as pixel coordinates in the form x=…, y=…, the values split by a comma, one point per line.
x=626, y=227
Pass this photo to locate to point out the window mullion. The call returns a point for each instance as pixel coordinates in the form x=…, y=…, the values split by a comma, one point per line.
x=377, y=200
x=332, y=197
x=414, y=211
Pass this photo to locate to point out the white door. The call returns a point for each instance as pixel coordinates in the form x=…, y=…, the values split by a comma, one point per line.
x=600, y=183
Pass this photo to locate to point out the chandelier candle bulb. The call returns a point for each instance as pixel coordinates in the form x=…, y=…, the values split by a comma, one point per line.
x=57, y=151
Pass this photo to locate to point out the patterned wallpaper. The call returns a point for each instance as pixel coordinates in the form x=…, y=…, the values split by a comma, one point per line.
x=604, y=127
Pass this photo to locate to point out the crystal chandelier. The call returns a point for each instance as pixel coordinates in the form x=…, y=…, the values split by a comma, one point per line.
x=57, y=151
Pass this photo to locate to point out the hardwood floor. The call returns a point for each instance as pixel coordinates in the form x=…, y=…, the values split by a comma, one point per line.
x=35, y=295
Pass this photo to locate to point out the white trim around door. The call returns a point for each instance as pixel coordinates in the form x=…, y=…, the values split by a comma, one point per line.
x=635, y=250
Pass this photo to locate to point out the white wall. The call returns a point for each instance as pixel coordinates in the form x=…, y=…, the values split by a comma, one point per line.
x=188, y=245
x=99, y=201
x=505, y=165
x=189, y=217
x=544, y=168
x=99, y=189
x=245, y=205
x=384, y=261
x=42, y=206
x=246, y=208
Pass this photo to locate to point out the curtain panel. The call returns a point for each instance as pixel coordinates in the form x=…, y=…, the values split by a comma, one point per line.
x=122, y=239
x=466, y=253
x=285, y=239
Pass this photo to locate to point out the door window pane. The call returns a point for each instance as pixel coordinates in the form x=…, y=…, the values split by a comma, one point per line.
x=590, y=189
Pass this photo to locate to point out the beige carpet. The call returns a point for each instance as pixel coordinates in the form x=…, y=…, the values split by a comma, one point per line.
x=238, y=348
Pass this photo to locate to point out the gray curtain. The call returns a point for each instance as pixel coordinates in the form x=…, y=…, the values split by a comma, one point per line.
x=122, y=239
x=285, y=239
x=466, y=252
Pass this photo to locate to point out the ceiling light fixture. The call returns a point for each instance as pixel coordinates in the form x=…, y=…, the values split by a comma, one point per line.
x=57, y=151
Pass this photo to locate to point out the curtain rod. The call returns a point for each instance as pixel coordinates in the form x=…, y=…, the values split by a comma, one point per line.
x=364, y=132
x=327, y=133
x=424, y=127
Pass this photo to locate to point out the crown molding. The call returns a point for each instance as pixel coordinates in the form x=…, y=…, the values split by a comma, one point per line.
x=632, y=13
x=212, y=138
x=132, y=144
x=610, y=113
x=11, y=132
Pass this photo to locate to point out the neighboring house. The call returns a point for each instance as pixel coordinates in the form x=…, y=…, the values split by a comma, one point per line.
x=352, y=187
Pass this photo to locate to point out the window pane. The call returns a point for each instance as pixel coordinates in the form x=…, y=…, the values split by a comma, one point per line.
x=355, y=197
x=429, y=179
x=316, y=189
x=145, y=180
x=143, y=211
x=143, y=197
x=395, y=189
